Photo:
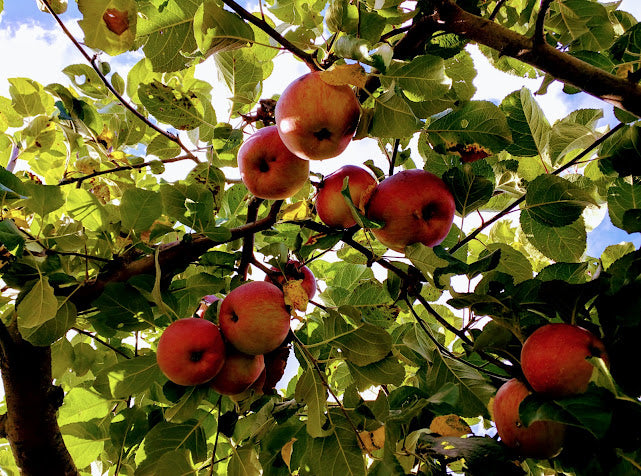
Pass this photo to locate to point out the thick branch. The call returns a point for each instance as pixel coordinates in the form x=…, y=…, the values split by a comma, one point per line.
x=171, y=257
x=562, y=66
x=248, y=241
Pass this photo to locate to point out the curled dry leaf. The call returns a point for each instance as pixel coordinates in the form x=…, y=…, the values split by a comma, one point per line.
x=295, y=294
x=342, y=74
x=373, y=440
x=450, y=425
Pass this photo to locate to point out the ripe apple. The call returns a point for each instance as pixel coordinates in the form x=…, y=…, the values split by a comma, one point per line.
x=253, y=317
x=297, y=271
x=542, y=439
x=275, y=363
x=268, y=169
x=330, y=203
x=416, y=207
x=316, y=120
x=205, y=302
x=554, y=362
x=239, y=372
x=191, y=351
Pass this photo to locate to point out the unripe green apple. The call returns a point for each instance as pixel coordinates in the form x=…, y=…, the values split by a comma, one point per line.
x=553, y=359
x=416, y=207
x=191, y=351
x=268, y=169
x=317, y=120
x=253, y=317
x=542, y=439
x=331, y=206
x=295, y=270
x=239, y=372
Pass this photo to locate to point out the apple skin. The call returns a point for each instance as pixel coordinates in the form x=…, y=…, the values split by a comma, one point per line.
x=315, y=119
x=295, y=270
x=542, y=439
x=205, y=303
x=253, y=317
x=553, y=359
x=191, y=351
x=268, y=169
x=331, y=206
x=416, y=207
x=239, y=373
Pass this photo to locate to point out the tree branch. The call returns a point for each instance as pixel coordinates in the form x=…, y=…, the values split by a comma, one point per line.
x=267, y=28
x=539, y=31
x=170, y=257
x=247, y=254
x=449, y=17
x=101, y=341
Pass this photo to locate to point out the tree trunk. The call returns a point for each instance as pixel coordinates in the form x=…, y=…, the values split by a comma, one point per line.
x=32, y=400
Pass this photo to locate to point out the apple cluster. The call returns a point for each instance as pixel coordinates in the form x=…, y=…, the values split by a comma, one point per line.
x=242, y=352
x=316, y=120
x=554, y=363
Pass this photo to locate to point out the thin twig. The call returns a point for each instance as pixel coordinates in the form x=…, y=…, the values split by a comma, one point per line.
x=539, y=31
x=497, y=9
x=267, y=28
x=329, y=389
x=98, y=339
x=521, y=199
x=127, y=167
x=213, y=453
x=446, y=351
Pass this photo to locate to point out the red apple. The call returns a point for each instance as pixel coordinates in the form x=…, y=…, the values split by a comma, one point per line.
x=191, y=351
x=330, y=203
x=205, y=302
x=554, y=357
x=542, y=439
x=297, y=271
x=238, y=374
x=268, y=169
x=416, y=207
x=253, y=317
x=316, y=120
x=275, y=363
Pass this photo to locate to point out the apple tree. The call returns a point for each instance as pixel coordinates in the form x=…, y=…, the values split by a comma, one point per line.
x=393, y=365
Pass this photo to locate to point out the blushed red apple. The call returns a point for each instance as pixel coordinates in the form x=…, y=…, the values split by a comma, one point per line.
x=317, y=120
x=542, y=439
x=268, y=169
x=239, y=372
x=295, y=270
x=415, y=206
x=205, y=303
x=331, y=206
x=553, y=359
x=190, y=351
x=253, y=317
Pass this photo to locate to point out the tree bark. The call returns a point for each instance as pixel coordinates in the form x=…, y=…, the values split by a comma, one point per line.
x=32, y=400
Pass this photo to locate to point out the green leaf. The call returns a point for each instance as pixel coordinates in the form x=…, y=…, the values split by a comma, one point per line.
x=190, y=204
x=244, y=462
x=243, y=73
x=109, y=25
x=421, y=79
x=122, y=307
x=470, y=190
x=554, y=201
x=85, y=78
x=170, y=106
x=566, y=137
x=582, y=22
x=53, y=329
x=512, y=261
x=167, y=27
x=311, y=391
x=44, y=199
x=530, y=128
x=393, y=117
x=139, y=209
x=39, y=305
x=84, y=440
x=81, y=404
x=363, y=345
x=361, y=219
x=217, y=30
x=477, y=126
x=163, y=148
x=475, y=391
x=87, y=209
x=8, y=117
x=624, y=195
x=132, y=376
x=561, y=243
x=386, y=371
x=176, y=463
x=29, y=98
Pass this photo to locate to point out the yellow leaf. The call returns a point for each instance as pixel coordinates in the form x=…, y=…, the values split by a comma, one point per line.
x=295, y=294
x=342, y=74
x=373, y=440
x=450, y=425
x=296, y=211
x=286, y=451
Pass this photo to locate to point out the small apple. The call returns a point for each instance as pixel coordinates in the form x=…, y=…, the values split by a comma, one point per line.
x=253, y=317
x=416, y=207
x=205, y=303
x=191, y=351
x=316, y=120
x=275, y=363
x=542, y=439
x=239, y=372
x=297, y=271
x=554, y=362
x=330, y=203
x=268, y=169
